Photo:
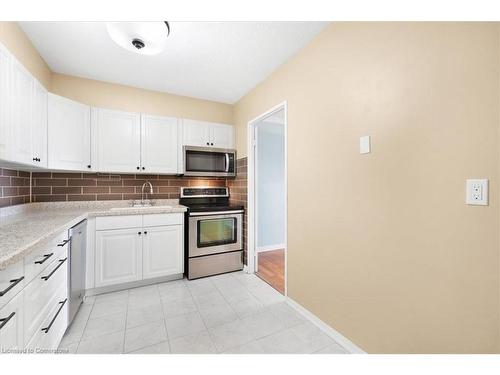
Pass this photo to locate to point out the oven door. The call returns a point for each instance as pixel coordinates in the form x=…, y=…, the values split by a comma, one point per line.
x=210, y=162
x=215, y=232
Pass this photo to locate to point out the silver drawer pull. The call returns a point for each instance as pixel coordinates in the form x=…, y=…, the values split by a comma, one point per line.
x=63, y=243
x=61, y=262
x=45, y=257
x=47, y=329
x=4, y=321
x=13, y=282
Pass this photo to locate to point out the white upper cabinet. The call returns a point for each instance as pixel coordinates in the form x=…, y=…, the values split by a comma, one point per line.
x=207, y=134
x=159, y=144
x=39, y=125
x=116, y=141
x=21, y=114
x=222, y=136
x=196, y=133
x=68, y=134
x=4, y=104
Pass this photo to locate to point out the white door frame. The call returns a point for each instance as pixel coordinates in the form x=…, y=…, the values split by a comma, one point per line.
x=251, y=188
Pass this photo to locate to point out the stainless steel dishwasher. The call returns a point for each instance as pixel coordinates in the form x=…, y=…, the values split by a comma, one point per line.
x=76, y=269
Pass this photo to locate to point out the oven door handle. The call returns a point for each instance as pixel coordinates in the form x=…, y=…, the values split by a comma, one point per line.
x=227, y=162
x=214, y=213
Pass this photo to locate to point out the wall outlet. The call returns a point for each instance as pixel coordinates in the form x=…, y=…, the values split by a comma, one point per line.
x=364, y=144
x=477, y=192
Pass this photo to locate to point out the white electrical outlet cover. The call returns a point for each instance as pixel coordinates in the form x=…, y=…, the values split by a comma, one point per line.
x=476, y=192
x=364, y=144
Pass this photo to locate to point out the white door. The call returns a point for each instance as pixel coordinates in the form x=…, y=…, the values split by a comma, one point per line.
x=196, y=133
x=39, y=125
x=11, y=324
x=4, y=104
x=159, y=144
x=118, y=256
x=221, y=136
x=117, y=137
x=21, y=115
x=163, y=251
x=69, y=134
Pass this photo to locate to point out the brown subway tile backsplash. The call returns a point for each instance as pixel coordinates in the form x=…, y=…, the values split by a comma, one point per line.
x=14, y=187
x=58, y=186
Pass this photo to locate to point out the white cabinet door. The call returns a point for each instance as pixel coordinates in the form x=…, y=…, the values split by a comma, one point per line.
x=163, y=251
x=39, y=125
x=5, y=103
x=69, y=134
x=21, y=115
x=11, y=324
x=118, y=256
x=159, y=144
x=222, y=136
x=196, y=133
x=117, y=140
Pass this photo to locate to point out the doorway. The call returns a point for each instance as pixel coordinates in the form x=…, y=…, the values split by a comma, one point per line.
x=267, y=197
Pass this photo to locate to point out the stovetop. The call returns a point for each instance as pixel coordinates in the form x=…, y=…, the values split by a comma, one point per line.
x=207, y=199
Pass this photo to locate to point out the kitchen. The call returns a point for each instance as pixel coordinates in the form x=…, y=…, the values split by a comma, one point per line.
x=309, y=187
x=124, y=203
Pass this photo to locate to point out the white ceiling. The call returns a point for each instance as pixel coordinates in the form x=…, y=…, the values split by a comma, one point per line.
x=219, y=61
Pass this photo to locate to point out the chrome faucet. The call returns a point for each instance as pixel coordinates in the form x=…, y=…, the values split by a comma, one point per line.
x=146, y=202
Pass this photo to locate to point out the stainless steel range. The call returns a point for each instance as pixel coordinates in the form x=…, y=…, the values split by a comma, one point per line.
x=214, y=232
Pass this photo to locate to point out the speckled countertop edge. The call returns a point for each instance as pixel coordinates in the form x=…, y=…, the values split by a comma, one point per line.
x=71, y=213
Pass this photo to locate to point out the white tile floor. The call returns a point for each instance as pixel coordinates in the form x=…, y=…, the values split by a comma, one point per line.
x=231, y=313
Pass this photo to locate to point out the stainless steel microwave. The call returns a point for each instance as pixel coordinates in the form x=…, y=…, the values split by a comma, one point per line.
x=209, y=161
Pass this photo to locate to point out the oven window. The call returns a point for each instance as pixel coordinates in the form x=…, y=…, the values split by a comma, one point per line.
x=214, y=232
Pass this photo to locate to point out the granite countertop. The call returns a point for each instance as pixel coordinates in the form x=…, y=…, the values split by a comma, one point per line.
x=24, y=227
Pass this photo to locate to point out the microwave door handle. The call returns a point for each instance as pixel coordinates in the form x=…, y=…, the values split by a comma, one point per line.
x=227, y=162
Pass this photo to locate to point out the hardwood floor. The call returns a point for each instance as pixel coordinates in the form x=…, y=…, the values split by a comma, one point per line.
x=272, y=268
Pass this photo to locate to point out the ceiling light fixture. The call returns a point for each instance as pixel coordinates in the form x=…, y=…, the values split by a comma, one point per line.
x=145, y=38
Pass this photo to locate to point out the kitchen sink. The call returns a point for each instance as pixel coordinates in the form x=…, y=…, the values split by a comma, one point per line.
x=138, y=205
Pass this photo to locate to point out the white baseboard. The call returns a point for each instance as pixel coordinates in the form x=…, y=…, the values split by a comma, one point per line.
x=270, y=248
x=334, y=334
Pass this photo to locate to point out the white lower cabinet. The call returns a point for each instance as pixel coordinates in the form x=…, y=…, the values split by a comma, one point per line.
x=118, y=256
x=162, y=251
x=33, y=314
x=152, y=250
x=11, y=324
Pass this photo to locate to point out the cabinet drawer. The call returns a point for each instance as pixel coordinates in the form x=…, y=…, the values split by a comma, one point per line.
x=41, y=294
x=12, y=281
x=44, y=254
x=51, y=330
x=118, y=222
x=11, y=333
x=153, y=220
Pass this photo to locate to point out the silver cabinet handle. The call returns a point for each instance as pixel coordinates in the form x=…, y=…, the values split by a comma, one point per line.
x=64, y=243
x=61, y=261
x=4, y=321
x=47, y=329
x=45, y=257
x=13, y=282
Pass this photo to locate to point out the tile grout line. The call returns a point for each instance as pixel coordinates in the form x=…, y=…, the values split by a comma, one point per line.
x=201, y=317
x=164, y=320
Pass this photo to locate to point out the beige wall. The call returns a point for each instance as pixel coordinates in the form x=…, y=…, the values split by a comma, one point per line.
x=16, y=42
x=384, y=249
x=109, y=95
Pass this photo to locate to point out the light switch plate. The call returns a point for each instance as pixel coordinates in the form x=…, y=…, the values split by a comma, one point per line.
x=476, y=192
x=364, y=144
